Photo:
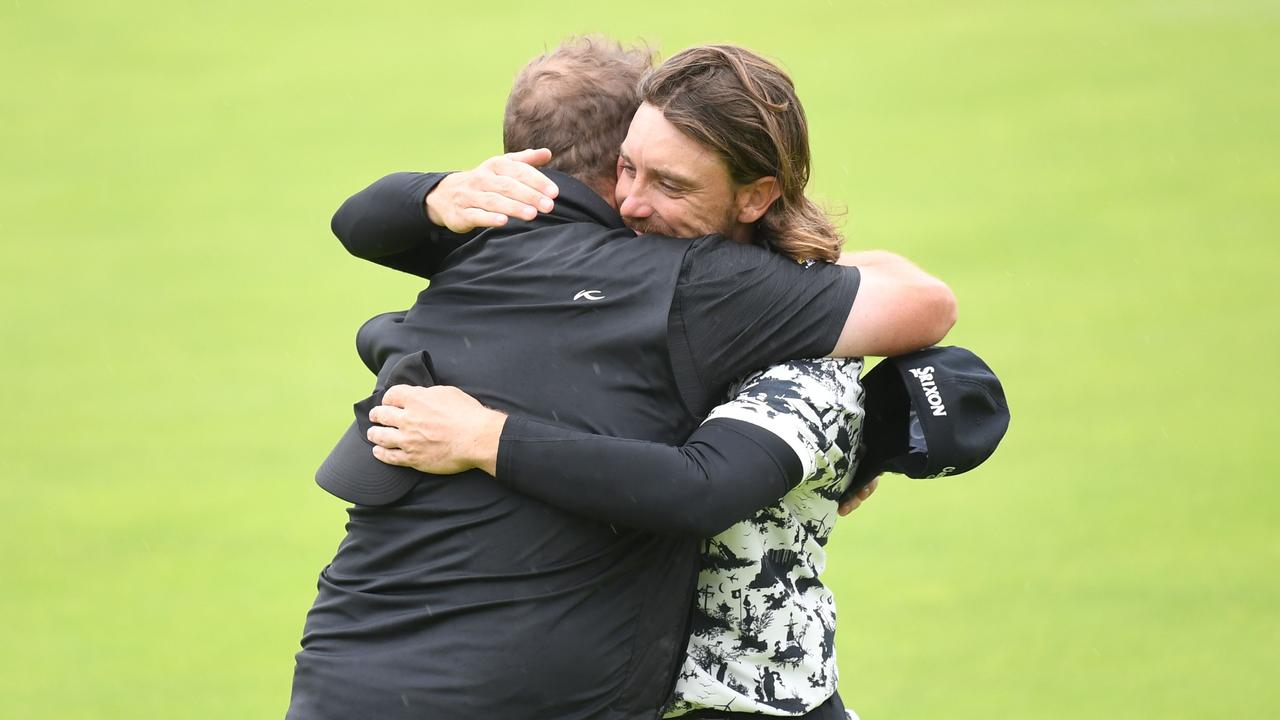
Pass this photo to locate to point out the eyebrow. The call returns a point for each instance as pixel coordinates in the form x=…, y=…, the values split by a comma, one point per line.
x=676, y=179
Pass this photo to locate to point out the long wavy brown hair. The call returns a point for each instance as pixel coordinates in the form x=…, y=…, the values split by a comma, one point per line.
x=746, y=109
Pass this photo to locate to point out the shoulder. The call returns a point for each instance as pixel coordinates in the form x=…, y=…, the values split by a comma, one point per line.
x=809, y=404
x=712, y=257
x=818, y=382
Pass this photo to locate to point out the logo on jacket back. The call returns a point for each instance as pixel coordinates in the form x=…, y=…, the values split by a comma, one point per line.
x=588, y=295
x=925, y=376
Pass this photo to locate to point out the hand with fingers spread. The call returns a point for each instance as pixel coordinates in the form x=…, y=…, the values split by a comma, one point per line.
x=502, y=187
x=852, y=502
x=438, y=429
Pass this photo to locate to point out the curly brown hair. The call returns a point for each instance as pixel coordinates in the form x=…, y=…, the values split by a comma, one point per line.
x=577, y=100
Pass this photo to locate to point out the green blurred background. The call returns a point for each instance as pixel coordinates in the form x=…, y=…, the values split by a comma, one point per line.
x=1098, y=181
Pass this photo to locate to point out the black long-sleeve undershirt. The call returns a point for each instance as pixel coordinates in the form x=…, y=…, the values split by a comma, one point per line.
x=387, y=223
x=724, y=473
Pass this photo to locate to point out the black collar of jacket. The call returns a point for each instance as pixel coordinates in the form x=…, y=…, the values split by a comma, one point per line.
x=579, y=203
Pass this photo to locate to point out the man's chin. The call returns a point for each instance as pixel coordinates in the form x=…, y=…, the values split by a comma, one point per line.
x=651, y=228
x=643, y=228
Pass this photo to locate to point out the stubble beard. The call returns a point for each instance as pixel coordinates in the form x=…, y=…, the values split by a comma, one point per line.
x=656, y=226
x=651, y=226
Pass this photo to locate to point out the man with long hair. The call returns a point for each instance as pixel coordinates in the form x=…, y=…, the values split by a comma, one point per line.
x=464, y=598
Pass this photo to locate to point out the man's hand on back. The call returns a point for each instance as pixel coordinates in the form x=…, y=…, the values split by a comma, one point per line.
x=500, y=188
x=438, y=429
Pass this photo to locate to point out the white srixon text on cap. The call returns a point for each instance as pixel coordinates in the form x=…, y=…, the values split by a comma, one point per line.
x=931, y=394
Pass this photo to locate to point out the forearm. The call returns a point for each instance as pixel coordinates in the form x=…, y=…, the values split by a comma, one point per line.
x=900, y=307
x=387, y=223
x=870, y=258
x=724, y=473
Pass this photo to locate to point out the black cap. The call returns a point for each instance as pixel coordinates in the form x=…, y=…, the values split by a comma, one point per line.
x=934, y=412
x=351, y=471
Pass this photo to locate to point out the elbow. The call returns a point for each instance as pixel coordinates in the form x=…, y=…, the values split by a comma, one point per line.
x=343, y=226
x=932, y=316
x=711, y=512
x=698, y=508
x=945, y=310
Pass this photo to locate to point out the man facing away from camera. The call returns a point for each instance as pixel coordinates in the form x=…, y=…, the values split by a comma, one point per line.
x=464, y=598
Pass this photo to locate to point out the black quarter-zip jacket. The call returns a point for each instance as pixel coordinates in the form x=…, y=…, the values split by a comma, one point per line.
x=467, y=599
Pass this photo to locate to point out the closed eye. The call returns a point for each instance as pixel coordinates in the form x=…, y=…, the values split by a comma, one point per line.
x=670, y=189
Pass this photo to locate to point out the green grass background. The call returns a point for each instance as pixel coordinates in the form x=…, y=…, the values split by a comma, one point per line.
x=1097, y=180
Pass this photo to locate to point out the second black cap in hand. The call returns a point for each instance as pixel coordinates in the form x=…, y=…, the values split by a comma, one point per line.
x=935, y=412
x=351, y=471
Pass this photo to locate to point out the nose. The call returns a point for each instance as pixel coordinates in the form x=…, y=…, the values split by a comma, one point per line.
x=634, y=205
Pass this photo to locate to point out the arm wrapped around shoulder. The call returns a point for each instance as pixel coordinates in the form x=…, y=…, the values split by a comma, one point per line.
x=899, y=308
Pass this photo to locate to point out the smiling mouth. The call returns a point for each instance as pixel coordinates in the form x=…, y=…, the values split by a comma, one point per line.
x=648, y=227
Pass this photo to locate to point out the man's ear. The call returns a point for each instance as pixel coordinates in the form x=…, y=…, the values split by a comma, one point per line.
x=753, y=199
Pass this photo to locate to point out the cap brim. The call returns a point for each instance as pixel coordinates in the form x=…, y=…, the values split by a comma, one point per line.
x=352, y=473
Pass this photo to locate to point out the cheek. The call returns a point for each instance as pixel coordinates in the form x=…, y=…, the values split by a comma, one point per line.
x=719, y=218
x=687, y=216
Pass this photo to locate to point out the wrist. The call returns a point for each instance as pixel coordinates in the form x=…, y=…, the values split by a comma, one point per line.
x=438, y=199
x=484, y=451
x=434, y=214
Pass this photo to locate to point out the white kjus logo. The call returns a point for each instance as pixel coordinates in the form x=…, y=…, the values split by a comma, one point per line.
x=925, y=376
x=588, y=295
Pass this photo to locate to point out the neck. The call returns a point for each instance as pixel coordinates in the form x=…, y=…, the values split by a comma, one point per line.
x=605, y=188
x=740, y=232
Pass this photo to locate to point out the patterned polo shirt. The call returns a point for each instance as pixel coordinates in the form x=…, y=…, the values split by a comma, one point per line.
x=763, y=630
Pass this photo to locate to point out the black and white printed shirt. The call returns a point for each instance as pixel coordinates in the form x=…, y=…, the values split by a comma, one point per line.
x=763, y=631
